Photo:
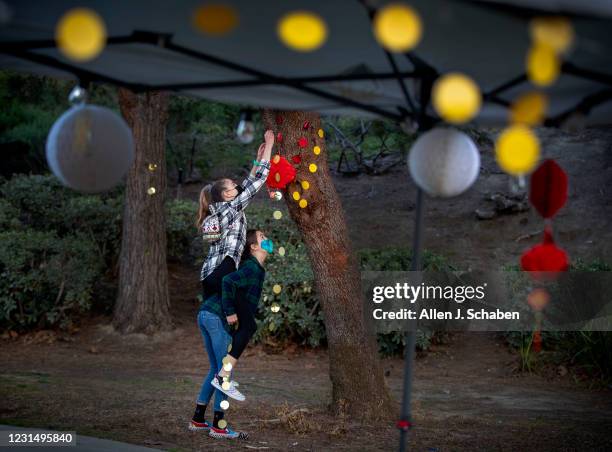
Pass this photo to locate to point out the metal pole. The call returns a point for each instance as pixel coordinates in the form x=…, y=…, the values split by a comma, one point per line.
x=405, y=416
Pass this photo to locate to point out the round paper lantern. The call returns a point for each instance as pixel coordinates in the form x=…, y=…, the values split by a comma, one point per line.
x=316, y=150
x=302, y=31
x=90, y=148
x=215, y=19
x=546, y=259
x=80, y=34
x=517, y=150
x=555, y=32
x=543, y=65
x=444, y=162
x=397, y=27
x=529, y=109
x=281, y=173
x=456, y=98
x=548, y=188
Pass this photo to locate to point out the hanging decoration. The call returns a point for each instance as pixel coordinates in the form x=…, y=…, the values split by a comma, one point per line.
x=305, y=185
x=303, y=203
x=543, y=65
x=279, y=138
x=397, y=27
x=529, y=109
x=151, y=191
x=517, y=150
x=444, y=162
x=312, y=168
x=302, y=31
x=316, y=150
x=277, y=215
x=297, y=159
x=456, y=98
x=89, y=148
x=281, y=173
x=81, y=34
x=546, y=259
x=215, y=19
x=303, y=142
x=548, y=189
x=306, y=125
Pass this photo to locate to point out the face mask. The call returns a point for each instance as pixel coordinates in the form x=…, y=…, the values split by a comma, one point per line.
x=267, y=245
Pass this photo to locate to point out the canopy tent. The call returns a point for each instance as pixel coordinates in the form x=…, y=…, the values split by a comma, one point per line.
x=153, y=46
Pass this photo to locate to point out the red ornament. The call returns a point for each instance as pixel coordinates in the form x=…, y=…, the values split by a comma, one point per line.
x=548, y=191
x=296, y=159
x=281, y=173
x=279, y=137
x=537, y=341
x=303, y=142
x=279, y=119
x=306, y=125
x=545, y=257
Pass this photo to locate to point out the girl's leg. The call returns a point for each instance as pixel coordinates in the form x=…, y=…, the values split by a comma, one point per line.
x=207, y=389
x=220, y=341
x=246, y=326
x=212, y=284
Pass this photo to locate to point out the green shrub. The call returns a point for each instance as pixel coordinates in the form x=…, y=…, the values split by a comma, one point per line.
x=182, y=235
x=46, y=279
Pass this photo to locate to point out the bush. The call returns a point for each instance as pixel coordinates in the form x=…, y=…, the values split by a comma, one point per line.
x=45, y=279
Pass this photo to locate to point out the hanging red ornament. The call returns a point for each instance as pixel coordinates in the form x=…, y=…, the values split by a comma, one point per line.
x=303, y=142
x=279, y=137
x=537, y=341
x=546, y=259
x=548, y=191
x=281, y=173
x=306, y=125
x=297, y=159
x=279, y=119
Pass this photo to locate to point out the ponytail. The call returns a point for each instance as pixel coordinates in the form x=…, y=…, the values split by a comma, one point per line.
x=205, y=200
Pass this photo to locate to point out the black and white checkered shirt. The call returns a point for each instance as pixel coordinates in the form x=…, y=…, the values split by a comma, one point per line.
x=232, y=222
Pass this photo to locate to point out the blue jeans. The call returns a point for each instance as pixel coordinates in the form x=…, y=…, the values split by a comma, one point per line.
x=216, y=342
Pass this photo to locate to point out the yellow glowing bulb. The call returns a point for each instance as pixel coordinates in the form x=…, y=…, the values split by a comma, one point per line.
x=305, y=185
x=225, y=360
x=302, y=31
x=529, y=109
x=303, y=203
x=277, y=289
x=320, y=133
x=296, y=195
x=456, y=98
x=80, y=34
x=543, y=65
x=227, y=367
x=276, y=159
x=281, y=251
x=316, y=150
x=275, y=308
x=152, y=166
x=555, y=32
x=312, y=168
x=151, y=191
x=225, y=385
x=223, y=422
x=215, y=19
x=224, y=404
x=229, y=348
x=517, y=150
x=277, y=215
x=397, y=27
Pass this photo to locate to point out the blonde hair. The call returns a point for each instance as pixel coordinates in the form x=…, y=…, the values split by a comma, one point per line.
x=205, y=200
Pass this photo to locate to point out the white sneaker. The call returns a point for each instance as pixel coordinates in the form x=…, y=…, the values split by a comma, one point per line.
x=231, y=392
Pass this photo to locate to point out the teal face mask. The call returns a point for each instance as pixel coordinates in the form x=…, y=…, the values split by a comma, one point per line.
x=267, y=245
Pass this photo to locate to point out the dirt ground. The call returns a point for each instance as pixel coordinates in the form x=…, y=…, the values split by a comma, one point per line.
x=467, y=393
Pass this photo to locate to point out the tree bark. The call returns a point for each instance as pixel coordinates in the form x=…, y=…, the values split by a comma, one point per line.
x=143, y=301
x=358, y=385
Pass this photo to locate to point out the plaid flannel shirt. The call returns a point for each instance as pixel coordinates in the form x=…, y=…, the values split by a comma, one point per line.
x=232, y=222
x=246, y=283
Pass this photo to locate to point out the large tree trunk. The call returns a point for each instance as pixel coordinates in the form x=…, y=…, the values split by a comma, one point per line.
x=143, y=301
x=356, y=374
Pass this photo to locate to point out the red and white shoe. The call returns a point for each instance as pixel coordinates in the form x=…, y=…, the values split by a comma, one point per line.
x=198, y=426
x=227, y=433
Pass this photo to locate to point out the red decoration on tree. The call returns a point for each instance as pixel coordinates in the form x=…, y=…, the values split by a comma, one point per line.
x=279, y=137
x=296, y=159
x=548, y=191
x=303, y=142
x=545, y=257
x=306, y=125
x=281, y=173
x=537, y=341
x=279, y=119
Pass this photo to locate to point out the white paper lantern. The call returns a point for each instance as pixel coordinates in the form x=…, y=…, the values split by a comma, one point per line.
x=90, y=148
x=444, y=162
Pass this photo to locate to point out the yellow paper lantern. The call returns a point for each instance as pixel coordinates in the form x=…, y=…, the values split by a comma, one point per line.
x=397, y=27
x=517, y=150
x=320, y=133
x=296, y=195
x=305, y=185
x=80, y=34
x=277, y=215
x=277, y=289
x=456, y=98
x=302, y=31
x=312, y=168
x=316, y=150
x=215, y=19
x=543, y=65
x=554, y=32
x=529, y=109
x=303, y=203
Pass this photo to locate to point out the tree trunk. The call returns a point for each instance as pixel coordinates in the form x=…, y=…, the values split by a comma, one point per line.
x=143, y=301
x=358, y=385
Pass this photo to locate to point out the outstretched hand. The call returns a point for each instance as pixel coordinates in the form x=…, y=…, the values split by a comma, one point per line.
x=269, y=137
x=260, y=151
